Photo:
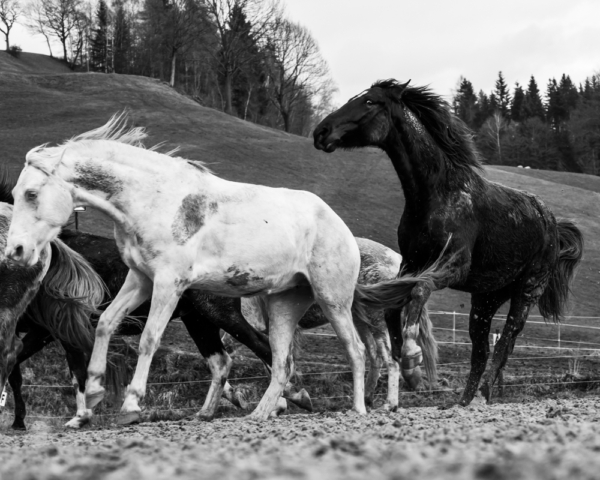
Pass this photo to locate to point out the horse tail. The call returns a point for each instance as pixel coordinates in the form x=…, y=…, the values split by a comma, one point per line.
x=71, y=292
x=6, y=186
x=429, y=346
x=117, y=374
x=553, y=301
x=396, y=293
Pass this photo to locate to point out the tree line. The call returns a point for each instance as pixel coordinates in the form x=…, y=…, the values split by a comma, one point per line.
x=559, y=130
x=244, y=57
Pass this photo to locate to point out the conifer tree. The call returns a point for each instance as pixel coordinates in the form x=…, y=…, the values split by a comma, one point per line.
x=502, y=95
x=533, y=105
x=465, y=102
x=100, y=50
x=517, y=105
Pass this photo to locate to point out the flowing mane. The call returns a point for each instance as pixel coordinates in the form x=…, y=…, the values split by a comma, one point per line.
x=116, y=129
x=448, y=132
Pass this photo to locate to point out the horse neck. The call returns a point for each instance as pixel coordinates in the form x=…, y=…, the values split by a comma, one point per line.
x=417, y=185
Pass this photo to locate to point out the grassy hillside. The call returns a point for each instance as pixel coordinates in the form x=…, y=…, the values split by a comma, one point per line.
x=28, y=63
x=360, y=185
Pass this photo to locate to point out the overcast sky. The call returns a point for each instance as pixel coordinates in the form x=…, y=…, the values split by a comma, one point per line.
x=436, y=41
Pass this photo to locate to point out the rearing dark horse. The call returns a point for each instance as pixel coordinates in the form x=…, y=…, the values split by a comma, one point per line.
x=495, y=242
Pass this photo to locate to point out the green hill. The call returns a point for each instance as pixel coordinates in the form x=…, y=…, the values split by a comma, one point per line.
x=31, y=63
x=360, y=185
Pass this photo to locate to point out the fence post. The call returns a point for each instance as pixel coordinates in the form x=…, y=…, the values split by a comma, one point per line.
x=453, y=327
x=559, y=335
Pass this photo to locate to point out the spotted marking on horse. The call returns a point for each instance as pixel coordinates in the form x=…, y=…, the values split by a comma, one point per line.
x=240, y=278
x=189, y=218
x=93, y=177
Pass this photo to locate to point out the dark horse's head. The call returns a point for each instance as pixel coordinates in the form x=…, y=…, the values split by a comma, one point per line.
x=365, y=119
x=391, y=115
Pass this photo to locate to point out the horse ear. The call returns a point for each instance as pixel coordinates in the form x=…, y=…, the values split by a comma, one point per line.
x=399, y=90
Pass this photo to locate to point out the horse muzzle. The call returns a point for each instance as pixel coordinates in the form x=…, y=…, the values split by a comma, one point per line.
x=21, y=253
x=325, y=140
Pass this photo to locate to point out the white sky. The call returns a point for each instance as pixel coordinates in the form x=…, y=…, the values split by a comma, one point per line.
x=435, y=41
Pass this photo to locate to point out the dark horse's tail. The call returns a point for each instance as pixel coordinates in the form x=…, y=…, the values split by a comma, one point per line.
x=553, y=301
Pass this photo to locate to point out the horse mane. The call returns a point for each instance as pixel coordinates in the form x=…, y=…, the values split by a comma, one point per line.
x=6, y=186
x=70, y=293
x=448, y=132
x=115, y=130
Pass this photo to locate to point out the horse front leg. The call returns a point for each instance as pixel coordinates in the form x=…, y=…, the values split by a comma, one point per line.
x=34, y=341
x=483, y=309
x=135, y=290
x=165, y=296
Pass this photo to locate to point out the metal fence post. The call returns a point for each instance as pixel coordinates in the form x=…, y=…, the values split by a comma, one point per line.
x=559, y=335
x=453, y=327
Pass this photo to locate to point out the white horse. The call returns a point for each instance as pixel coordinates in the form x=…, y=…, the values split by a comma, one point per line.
x=178, y=226
x=378, y=263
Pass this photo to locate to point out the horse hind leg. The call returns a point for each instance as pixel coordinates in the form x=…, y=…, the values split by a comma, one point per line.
x=384, y=351
x=284, y=310
x=77, y=365
x=206, y=336
x=520, y=305
x=374, y=361
x=340, y=317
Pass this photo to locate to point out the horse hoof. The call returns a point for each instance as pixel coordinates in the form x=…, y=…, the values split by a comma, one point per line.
x=386, y=407
x=239, y=400
x=77, y=422
x=301, y=399
x=204, y=416
x=412, y=377
x=129, y=418
x=94, y=398
x=18, y=426
x=412, y=361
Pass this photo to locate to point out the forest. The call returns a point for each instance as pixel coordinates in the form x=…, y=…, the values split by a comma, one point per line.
x=555, y=130
x=246, y=58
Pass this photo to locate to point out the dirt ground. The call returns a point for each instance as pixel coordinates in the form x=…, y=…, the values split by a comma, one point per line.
x=547, y=439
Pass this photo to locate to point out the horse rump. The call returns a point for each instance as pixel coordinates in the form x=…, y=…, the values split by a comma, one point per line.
x=553, y=301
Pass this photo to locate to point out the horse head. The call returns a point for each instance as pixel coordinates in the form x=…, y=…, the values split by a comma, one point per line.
x=43, y=204
x=365, y=120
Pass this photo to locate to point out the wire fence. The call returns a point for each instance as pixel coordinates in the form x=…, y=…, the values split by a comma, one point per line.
x=581, y=350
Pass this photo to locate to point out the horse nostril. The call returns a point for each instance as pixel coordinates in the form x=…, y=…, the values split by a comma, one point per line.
x=18, y=252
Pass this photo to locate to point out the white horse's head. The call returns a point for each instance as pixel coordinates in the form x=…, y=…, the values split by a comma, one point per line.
x=43, y=204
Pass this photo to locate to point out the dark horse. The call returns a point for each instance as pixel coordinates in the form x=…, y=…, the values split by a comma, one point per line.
x=495, y=242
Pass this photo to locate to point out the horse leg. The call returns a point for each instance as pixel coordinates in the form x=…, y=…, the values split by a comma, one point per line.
x=34, y=341
x=393, y=320
x=340, y=317
x=78, y=366
x=374, y=361
x=384, y=349
x=483, y=309
x=285, y=310
x=206, y=336
x=165, y=297
x=520, y=305
x=135, y=290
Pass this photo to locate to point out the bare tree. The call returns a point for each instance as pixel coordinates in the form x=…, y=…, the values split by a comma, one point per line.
x=178, y=23
x=240, y=26
x=10, y=10
x=297, y=70
x=36, y=22
x=492, y=132
x=62, y=19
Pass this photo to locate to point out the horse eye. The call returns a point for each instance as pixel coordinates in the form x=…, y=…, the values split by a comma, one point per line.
x=369, y=103
x=31, y=195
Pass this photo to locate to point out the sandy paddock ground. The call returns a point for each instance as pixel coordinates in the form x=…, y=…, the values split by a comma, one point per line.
x=548, y=439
